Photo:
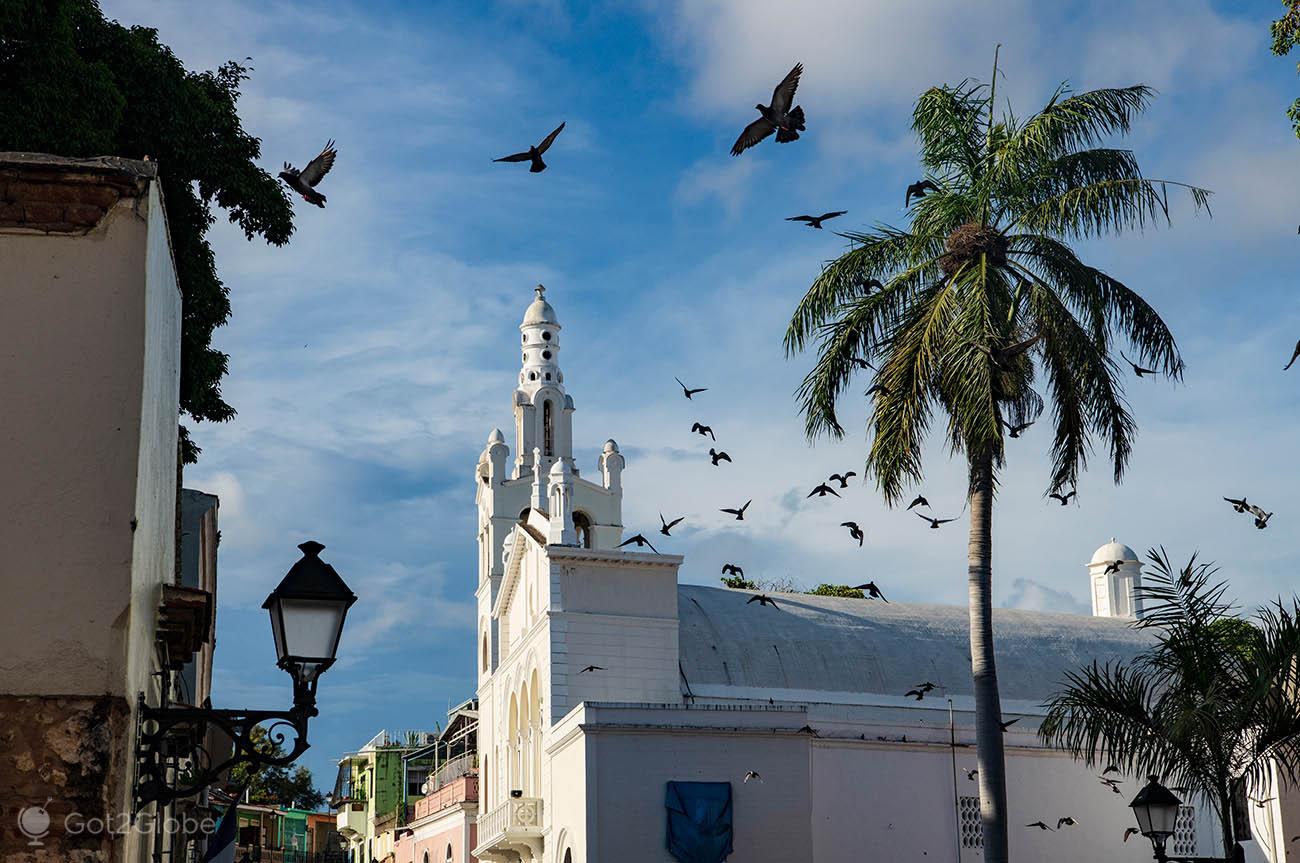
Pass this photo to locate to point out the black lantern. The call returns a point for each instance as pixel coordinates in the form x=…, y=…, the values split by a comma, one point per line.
x=307, y=610
x=307, y=613
x=1156, y=809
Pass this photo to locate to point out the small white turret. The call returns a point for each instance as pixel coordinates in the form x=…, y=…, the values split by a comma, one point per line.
x=560, y=508
x=611, y=467
x=1115, y=574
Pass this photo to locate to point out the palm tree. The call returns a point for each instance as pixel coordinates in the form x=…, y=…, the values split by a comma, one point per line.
x=977, y=295
x=1214, y=702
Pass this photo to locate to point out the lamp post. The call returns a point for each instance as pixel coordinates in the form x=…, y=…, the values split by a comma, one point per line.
x=1156, y=810
x=307, y=609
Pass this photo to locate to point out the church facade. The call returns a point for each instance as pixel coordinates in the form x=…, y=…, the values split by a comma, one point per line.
x=621, y=712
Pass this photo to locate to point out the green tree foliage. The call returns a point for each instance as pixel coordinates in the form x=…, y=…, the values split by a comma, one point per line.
x=1286, y=35
x=981, y=298
x=75, y=84
x=1214, y=700
x=837, y=590
x=738, y=582
x=276, y=786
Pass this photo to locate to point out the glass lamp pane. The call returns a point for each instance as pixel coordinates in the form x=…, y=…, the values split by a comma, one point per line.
x=311, y=627
x=277, y=631
x=1163, y=818
x=1143, y=814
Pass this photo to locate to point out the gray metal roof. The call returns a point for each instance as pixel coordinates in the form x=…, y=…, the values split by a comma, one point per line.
x=829, y=644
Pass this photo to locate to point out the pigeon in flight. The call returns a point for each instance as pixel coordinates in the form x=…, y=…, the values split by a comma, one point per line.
x=640, y=541
x=1063, y=498
x=816, y=221
x=1238, y=505
x=1110, y=768
x=920, y=691
x=862, y=364
x=667, y=526
x=972, y=773
x=690, y=392
x=534, y=154
x=935, y=522
x=732, y=569
x=1137, y=369
x=868, y=284
x=878, y=388
x=778, y=117
x=703, y=430
x=753, y=774
x=1112, y=566
x=1040, y=825
x=738, y=513
x=872, y=591
x=1067, y=821
x=763, y=599
x=1015, y=430
x=919, y=190
x=718, y=456
x=823, y=490
x=1112, y=784
x=854, y=531
x=842, y=478
x=1130, y=831
x=1261, y=517
x=1294, y=355
x=304, y=182
x=920, y=501
x=807, y=729
x=591, y=668
x=1010, y=722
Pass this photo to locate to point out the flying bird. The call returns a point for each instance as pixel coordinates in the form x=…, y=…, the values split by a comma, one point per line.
x=842, y=478
x=738, y=513
x=1015, y=430
x=304, y=182
x=667, y=526
x=862, y=364
x=920, y=690
x=1261, y=517
x=1040, y=825
x=972, y=773
x=753, y=774
x=534, y=154
x=1130, y=831
x=816, y=221
x=1294, y=355
x=873, y=592
x=919, y=190
x=718, y=456
x=1238, y=505
x=868, y=284
x=778, y=117
x=1137, y=369
x=690, y=392
x=591, y=668
x=1112, y=566
x=1110, y=768
x=1063, y=498
x=935, y=522
x=732, y=569
x=703, y=430
x=854, y=531
x=823, y=490
x=763, y=599
x=920, y=501
x=878, y=388
x=807, y=729
x=640, y=541
x=1112, y=784
x=1067, y=821
x=1010, y=722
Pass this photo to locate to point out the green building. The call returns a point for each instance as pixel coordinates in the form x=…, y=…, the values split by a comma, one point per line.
x=373, y=786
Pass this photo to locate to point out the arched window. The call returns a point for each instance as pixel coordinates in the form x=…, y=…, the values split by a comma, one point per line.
x=582, y=527
x=426, y=857
x=449, y=857
x=568, y=856
x=485, y=652
x=548, y=429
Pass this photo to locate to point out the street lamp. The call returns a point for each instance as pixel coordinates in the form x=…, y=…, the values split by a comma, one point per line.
x=1156, y=810
x=174, y=758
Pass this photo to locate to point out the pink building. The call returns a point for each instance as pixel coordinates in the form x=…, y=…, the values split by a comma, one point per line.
x=443, y=828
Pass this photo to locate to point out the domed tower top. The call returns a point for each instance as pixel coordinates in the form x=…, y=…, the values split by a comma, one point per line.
x=1115, y=573
x=541, y=346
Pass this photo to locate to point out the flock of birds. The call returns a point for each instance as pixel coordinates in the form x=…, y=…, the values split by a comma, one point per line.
x=787, y=120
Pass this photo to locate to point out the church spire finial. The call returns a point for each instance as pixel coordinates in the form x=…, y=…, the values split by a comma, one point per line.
x=541, y=291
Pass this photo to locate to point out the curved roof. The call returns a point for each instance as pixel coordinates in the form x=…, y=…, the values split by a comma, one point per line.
x=1113, y=551
x=830, y=644
x=540, y=312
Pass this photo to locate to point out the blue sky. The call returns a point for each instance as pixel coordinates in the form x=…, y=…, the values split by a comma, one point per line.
x=371, y=357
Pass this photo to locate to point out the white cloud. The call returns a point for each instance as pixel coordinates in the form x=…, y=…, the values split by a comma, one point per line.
x=1031, y=595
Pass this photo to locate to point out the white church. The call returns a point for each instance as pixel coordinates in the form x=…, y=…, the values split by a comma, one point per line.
x=622, y=712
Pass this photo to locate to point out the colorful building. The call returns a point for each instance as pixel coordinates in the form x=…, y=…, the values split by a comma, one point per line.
x=373, y=787
x=443, y=824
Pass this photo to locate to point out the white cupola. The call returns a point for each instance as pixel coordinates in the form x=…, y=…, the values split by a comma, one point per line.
x=543, y=411
x=1115, y=574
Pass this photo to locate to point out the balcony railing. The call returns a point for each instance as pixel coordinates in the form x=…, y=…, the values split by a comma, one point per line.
x=515, y=825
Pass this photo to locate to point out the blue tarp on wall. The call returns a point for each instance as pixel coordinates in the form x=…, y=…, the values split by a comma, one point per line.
x=699, y=821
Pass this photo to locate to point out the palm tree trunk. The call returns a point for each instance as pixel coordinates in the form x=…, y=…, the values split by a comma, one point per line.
x=1225, y=808
x=988, y=707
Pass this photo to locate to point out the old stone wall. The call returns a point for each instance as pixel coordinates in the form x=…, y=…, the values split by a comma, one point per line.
x=67, y=756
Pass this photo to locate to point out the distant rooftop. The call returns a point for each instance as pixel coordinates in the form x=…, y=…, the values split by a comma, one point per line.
x=62, y=195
